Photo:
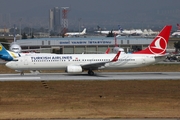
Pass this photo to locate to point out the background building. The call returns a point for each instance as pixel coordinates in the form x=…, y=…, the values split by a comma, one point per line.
x=51, y=18
x=54, y=20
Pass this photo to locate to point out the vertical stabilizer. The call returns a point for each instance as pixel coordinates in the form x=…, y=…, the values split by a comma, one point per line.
x=159, y=44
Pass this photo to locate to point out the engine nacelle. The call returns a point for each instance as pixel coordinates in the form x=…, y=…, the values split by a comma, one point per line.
x=15, y=48
x=74, y=69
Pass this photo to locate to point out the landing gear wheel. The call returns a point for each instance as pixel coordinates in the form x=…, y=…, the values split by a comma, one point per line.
x=90, y=72
x=22, y=73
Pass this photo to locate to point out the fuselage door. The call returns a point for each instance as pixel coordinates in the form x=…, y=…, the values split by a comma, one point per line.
x=25, y=61
x=144, y=60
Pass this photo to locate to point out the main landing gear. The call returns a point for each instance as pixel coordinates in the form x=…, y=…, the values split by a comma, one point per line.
x=19, y=71
x=90, y=72
x=22, y=73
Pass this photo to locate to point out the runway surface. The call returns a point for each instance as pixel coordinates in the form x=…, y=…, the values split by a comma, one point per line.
x=123, y=119
x=97, y=76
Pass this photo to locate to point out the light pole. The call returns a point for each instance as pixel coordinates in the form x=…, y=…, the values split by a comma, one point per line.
x=79, y=23
x=20, y=28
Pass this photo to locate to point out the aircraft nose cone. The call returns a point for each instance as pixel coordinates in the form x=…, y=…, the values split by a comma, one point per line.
x=9, y=64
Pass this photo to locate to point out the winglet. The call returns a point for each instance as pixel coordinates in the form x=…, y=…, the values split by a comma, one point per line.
x=116, y=57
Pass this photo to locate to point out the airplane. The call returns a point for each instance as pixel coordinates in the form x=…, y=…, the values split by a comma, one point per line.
x=149, y=32
x=76, y=33
x=77, y=63
x=139, y=32
x=106, y=32
x=177, y=33
x=71, y=63
x=102, y=31
x=7, y=55
x=118, y=32
x=124, y=32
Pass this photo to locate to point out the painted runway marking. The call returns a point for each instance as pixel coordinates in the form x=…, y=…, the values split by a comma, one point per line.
x=20, y=78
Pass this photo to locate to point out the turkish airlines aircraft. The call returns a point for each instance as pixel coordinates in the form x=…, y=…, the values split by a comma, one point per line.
x=72, y=63
x=76, y=63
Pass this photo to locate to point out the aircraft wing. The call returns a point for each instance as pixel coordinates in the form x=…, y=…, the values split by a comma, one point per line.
x=95, y=66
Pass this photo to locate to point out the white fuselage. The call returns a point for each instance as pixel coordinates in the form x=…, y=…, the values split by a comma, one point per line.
x=17, y=55
x=76, y=33
x=177, y=33
x=60, y=62
x=73, y=34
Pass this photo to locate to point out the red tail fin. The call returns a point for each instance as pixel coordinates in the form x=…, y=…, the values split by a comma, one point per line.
x=107, y=51
x=159, y=44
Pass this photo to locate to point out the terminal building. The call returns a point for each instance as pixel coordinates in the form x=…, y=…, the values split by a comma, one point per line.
x=78, y=45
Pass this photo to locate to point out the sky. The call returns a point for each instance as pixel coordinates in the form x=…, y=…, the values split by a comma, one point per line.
x=108, y=14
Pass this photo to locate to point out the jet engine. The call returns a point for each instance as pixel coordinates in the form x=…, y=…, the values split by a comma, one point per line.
x=74, y=69
x=15, y=48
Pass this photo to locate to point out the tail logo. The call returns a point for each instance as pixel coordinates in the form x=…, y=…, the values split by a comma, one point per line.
x=159, y=46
